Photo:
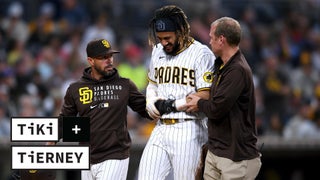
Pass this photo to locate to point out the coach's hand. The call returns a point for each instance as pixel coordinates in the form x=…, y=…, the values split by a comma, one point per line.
x=151, y=109
x=166, y=106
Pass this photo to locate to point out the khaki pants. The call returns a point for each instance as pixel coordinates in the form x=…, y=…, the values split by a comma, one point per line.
x=219, y=168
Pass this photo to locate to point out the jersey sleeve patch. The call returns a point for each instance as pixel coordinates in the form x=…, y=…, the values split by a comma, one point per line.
x=208, y=77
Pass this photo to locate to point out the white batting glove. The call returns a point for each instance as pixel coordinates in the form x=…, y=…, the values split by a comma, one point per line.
x=151, y=108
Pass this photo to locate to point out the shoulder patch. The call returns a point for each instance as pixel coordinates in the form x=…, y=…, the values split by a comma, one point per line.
x=208, y=77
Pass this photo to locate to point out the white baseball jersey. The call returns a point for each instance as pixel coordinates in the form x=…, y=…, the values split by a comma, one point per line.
x=177, y=147
x=177, y=76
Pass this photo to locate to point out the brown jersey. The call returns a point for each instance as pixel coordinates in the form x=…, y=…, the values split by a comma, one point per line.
x=105, y=102
x=231, y=111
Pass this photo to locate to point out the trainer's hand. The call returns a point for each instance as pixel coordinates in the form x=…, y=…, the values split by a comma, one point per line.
x=165, y=106
x=151, y=109
x=192, y=103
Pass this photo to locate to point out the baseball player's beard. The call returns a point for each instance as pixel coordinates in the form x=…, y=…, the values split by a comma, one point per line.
x=172, y=49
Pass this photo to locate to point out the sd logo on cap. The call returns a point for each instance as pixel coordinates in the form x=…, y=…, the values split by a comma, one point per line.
x=99, y=48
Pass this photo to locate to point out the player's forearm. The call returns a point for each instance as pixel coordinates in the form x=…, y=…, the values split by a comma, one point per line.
x=151, y=91
x=180, y=104
x=203, y=94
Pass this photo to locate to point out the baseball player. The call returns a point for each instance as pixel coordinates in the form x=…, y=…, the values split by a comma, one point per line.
x=179, y=65
x=103, y=96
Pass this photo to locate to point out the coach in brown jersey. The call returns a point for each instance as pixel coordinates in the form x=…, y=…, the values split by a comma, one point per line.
x=103, y=95
x=233, y=152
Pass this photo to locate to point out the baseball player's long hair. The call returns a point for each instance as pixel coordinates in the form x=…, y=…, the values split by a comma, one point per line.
x=176, y=15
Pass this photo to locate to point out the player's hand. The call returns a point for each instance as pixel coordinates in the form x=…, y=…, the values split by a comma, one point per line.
x=151, y=109
x=165, y=106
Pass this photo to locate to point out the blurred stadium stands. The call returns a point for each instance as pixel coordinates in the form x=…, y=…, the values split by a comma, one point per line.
x=42, y=51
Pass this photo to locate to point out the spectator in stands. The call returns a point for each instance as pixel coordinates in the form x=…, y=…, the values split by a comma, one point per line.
x=99, y=29
x=275, y=90
x=301, y=125
x=133, y=66
x=73, y=16
x=43, y=27
x=14, y=25
x=4, y=122
x=304, y=78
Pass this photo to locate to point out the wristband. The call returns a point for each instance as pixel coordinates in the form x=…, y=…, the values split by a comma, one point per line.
x=179, y=102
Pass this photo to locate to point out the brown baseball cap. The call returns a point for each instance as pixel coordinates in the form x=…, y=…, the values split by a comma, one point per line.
x=99, y=47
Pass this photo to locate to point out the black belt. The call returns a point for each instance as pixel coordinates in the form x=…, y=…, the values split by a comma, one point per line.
x=168, y=121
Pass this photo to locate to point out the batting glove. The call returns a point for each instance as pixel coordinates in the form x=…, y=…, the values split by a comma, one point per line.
x=151, y=109
x=165, y=106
